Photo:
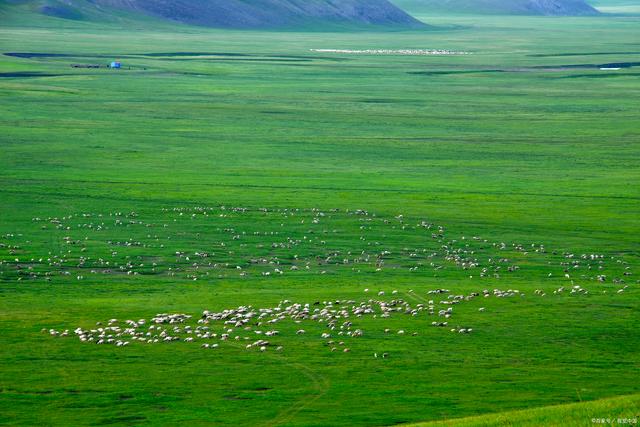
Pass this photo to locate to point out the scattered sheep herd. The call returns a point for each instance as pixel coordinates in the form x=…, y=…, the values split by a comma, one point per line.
x=206, y=243
x=194, y=243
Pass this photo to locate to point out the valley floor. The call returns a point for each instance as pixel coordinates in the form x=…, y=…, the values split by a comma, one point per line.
x=258, y=172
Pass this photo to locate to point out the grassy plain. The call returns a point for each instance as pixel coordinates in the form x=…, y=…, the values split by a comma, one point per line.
x=525, y=141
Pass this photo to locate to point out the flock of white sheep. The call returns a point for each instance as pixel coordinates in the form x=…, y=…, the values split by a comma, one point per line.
x=334, y=323
x=404, y=52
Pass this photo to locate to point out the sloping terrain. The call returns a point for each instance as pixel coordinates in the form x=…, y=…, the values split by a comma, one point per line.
x=230, y=13
x=506, y=7
x=615, y=410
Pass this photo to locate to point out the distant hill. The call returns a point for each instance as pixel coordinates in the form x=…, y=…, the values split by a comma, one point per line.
x=502, y=7
x=230, y=13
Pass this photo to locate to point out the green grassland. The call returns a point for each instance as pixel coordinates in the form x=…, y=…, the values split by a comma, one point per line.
x=215, y=157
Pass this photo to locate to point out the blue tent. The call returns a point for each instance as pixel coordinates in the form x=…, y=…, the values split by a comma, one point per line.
x=116, y=64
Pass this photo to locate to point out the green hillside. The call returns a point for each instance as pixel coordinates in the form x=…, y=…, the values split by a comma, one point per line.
x=225, y=13
x=617, y=411
x=501, y=7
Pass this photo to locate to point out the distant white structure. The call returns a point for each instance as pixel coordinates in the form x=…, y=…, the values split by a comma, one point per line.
x=412, y=52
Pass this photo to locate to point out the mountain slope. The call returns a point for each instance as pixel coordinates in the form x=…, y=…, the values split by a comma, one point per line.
x=502, y=7
x=232, y=13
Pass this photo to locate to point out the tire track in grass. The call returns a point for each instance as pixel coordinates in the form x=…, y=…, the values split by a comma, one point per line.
x=416, y=297
x=320, y=383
